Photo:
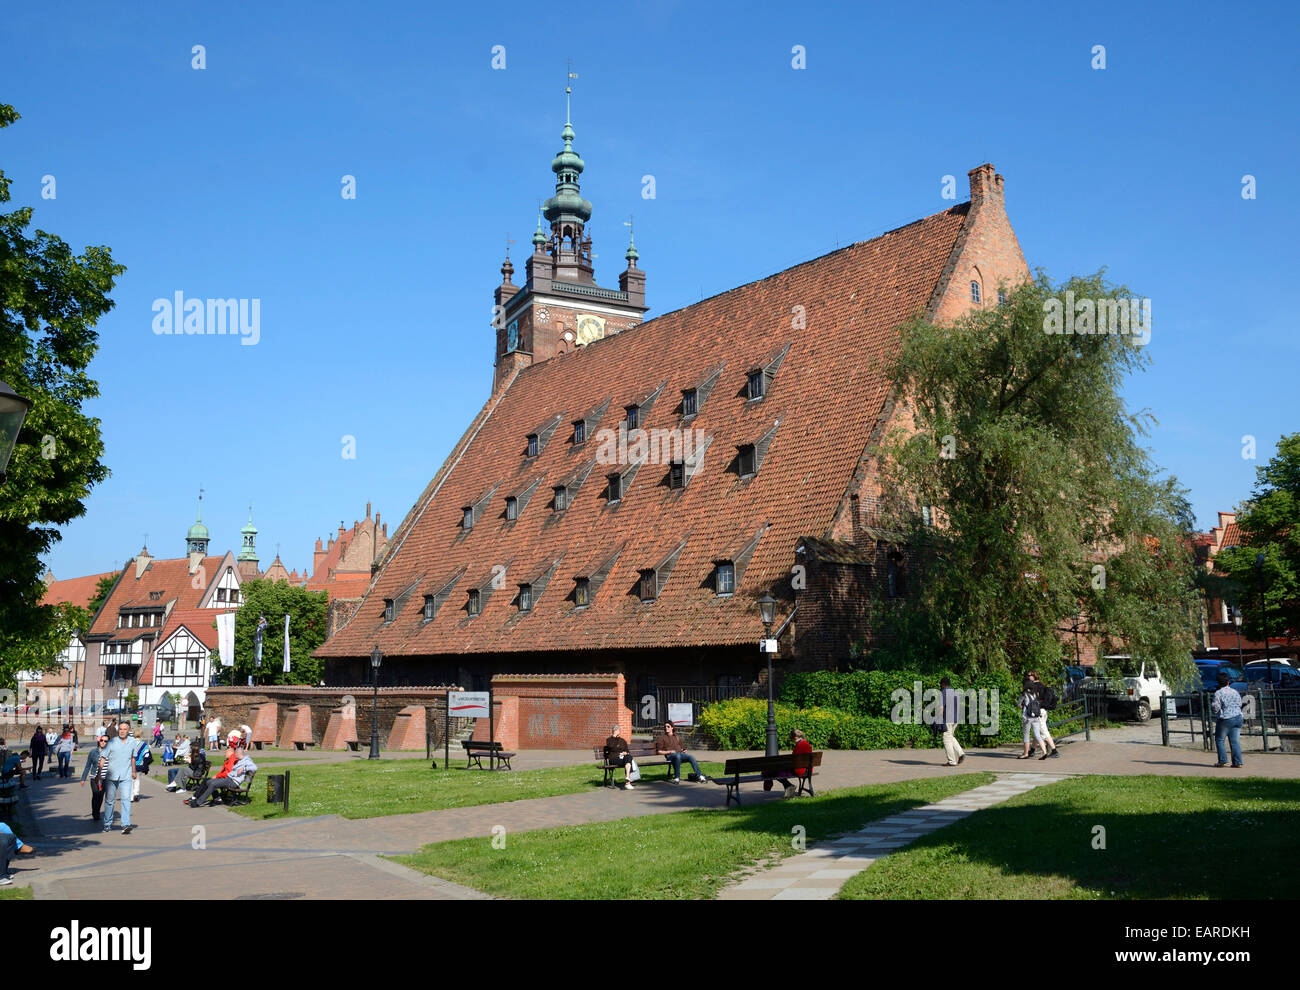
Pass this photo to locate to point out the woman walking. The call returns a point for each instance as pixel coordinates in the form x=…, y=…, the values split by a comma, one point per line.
x=96, y=774
x=63, y=749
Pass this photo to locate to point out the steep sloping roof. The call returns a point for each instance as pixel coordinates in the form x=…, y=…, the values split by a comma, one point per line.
x=171, y=578
x=77, y=591
x=832, y=323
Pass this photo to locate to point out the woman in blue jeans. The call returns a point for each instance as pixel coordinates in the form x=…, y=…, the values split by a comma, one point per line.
x=1226, y=706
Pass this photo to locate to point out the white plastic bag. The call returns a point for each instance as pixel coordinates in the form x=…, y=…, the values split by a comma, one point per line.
x=633, y=772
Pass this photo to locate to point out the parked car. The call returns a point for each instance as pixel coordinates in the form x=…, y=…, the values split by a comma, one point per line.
x=1209, y=671
x=1134, y=683
x=1281, y=674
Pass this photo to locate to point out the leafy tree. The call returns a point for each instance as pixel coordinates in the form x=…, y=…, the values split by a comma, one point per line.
x=1026, y=499
x=1270, y=525
x=50, y=301
x=275, y=599
x=103, y=588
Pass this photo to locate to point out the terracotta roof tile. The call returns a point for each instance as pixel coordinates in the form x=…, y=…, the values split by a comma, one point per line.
x=78, y=591
x=827, y=396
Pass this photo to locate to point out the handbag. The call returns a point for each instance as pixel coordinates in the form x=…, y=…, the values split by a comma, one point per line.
x=633, y=772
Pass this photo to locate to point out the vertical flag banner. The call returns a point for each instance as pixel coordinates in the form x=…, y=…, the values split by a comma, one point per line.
x=286, y=643
x=226, y=638
x=257, y=638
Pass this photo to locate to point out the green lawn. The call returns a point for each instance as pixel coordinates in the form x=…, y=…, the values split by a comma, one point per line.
x=370, y=788
x=687, y=854
x=15, y=893
x=1166, y=837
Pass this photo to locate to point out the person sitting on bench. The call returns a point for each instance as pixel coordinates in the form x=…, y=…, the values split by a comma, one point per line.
x=197, y=770
x=9, y=844
x=181, y=753
x=13, y=764
x=669, y=745
x=801, y=745
x=616, y=754
x=231, y=780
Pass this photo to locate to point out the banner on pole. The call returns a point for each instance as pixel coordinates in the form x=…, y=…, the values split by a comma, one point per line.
x=226, y=638
x=286, y=643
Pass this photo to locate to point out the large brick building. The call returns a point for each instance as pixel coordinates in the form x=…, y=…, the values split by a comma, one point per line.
x=630, y=489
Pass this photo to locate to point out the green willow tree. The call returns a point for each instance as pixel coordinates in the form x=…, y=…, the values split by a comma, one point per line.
x=1270, y=524
x=275, y=599
x=50, y=301
x=1026, y=497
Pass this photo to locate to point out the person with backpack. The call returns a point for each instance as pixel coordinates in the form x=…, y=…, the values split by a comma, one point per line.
x=1031, y=713
x=1046, y=695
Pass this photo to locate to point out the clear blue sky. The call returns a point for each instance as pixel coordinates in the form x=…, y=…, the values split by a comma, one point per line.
x=375, y=312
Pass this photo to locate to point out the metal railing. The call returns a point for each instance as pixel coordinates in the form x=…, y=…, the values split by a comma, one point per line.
x=1270, y=714
x=652, y=710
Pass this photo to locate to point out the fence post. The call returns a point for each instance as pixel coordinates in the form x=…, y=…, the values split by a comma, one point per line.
x=1164, y=721
x=1263, y=722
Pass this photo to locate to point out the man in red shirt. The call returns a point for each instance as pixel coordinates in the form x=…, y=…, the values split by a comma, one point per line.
x=801, y=745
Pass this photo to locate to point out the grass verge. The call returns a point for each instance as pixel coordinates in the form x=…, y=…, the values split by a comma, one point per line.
x=687, y=854
x=1164, y=837
x=16, y=894
x=372, y=788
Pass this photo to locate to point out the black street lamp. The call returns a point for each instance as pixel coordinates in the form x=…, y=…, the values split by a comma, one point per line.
x=767, y=611
x=13, y=410
x=376, y=658
x=1236, y=621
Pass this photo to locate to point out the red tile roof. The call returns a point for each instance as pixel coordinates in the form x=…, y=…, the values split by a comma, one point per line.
x=826, y=397
x=170, y=577
x=78, y=591
x=1232, y=536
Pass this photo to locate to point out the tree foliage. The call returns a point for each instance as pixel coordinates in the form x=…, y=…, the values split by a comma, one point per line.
x=275, y=599
x=1270, y=525
x=50, y=301
x=1044, y=506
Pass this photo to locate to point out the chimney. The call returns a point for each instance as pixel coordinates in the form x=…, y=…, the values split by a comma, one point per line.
x=1226, y=519
x=142, y=562
x=985, y=186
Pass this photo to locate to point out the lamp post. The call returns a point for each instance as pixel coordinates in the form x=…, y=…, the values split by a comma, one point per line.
x=767, y=611
x=13, y=410
x=1236, y=621
x=376, y=658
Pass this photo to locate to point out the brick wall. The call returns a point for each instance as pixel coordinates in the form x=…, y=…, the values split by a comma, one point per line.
x=564, y=711
x=237, y=706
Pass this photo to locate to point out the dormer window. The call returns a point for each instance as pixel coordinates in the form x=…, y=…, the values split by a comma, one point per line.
x=532, y=445
x=580, y=431
x=747, y=461
x=582, y=592
x=690, y=402
x=677, y=475
x=525, y=597
x=561, y=498
x=633, y=418
x=388, y=610
x=725, y=580
x=615, y=490
x=754, y=389
x=649, y=586
x=475, y=604
x=429, y=608
x=467, y=519
x=512, y=508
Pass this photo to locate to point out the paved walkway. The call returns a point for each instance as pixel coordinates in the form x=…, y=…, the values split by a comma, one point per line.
x=819, y=873
x=331, y=857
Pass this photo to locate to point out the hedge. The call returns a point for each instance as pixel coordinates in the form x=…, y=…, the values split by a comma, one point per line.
x=741, y=724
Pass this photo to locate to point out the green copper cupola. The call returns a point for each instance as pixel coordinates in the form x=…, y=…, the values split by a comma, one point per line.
x=248, y=541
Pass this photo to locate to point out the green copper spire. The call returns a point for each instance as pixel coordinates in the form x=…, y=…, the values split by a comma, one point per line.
x=539, y=239
x=196, y=539
x=567, y=203
x=248, y=532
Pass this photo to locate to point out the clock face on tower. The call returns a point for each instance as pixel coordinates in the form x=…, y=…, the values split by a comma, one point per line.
x=512, y=336
x=590, y=328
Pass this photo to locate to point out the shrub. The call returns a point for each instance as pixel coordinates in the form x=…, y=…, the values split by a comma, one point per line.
x=741, y=724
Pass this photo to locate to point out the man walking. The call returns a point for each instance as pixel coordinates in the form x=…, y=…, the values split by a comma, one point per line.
x=118, y=760
x=40, y=749
x=950, y=699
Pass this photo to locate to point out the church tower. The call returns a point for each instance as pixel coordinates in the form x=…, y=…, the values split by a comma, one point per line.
x=560, y=306
x=196, y=540
x=247, y=559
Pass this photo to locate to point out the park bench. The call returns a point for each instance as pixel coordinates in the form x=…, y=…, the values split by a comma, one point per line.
x=749, y=769
x=236, y=797
x=644, y=754
x=475, y=751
